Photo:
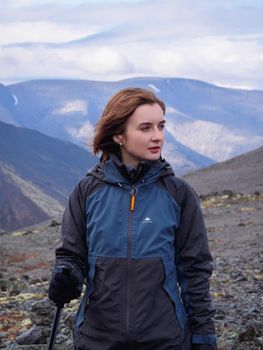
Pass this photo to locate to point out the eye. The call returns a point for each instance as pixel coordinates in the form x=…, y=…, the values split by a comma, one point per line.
x=162, y=126
x=145, y=128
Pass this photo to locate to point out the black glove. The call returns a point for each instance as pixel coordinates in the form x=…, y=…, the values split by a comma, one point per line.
x=65, y=285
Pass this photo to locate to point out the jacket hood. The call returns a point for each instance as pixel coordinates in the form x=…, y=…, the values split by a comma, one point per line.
x=114, y=171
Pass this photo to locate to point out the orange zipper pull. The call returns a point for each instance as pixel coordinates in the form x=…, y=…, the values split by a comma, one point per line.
x=132, y=204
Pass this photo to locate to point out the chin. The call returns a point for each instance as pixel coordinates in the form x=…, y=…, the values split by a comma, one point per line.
x=153, y=157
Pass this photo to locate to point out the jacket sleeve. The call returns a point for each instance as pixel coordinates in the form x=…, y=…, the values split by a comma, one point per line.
x=72, y=249
x=194, y=266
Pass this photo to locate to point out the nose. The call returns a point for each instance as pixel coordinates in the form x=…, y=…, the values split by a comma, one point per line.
x=157, y=135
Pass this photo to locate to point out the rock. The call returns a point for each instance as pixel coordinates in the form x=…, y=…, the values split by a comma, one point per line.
x=54, y=223
x=3, y=336
x=61, y=338
x=229, y=193
x=253, y=329
x=32, y=336
x=3, y=285
x=42, y=312
x=229, y=341
x=259, y=342
x=259, y=277
x=17, y=286
x=257, y=327
x=28, y=232
x=220, y=314
x=68, y=319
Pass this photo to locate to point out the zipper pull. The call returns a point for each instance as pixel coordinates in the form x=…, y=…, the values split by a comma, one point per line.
x=133, y=193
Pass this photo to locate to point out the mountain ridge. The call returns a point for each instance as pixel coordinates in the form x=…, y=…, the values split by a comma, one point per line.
x=241, y=174
x=45, y=124
x=41, y=171
x=22, y=203
x=69, y=110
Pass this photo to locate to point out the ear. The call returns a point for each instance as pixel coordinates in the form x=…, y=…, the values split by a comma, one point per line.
x=118, y=139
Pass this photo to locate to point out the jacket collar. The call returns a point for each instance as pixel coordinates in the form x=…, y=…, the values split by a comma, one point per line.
x=114, y=171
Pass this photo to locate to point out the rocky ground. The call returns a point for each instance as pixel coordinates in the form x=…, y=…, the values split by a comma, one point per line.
x=234, y=223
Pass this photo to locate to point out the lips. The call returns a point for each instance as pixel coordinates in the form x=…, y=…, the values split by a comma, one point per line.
x=154, y=149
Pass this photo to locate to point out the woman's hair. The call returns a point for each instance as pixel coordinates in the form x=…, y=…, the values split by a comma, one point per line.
x=115, y=115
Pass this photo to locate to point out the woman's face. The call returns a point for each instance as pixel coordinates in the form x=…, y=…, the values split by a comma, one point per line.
x=143, y=136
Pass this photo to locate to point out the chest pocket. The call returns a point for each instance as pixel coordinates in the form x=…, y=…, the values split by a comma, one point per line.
x=156, y=218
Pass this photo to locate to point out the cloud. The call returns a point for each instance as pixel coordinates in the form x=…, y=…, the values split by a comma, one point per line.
x=220, y=41
x=39, y=32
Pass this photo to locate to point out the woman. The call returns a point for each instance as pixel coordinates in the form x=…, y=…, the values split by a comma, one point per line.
x=136, y=233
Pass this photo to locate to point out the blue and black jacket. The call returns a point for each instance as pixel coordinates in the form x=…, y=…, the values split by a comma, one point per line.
x=139, y=240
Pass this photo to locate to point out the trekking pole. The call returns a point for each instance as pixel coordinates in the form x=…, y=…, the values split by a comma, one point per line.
x=55, y=327
x=65, y=271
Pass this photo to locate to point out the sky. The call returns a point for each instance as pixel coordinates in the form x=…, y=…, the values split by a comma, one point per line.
x=217, y=41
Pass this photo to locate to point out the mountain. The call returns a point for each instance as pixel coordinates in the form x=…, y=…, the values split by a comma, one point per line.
x=7, y=105
x=242, y=174
x=37, y=173
x=205, y=123
x=23, y=204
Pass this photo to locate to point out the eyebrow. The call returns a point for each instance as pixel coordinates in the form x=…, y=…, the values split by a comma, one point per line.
x=148, y=123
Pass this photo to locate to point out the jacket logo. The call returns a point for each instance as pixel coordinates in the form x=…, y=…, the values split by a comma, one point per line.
x=147, y=220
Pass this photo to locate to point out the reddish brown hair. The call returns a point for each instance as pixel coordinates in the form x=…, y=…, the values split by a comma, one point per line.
x=115, y=115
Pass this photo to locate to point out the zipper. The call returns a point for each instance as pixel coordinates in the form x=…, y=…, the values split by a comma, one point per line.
x=129, y=256
x=133, y=193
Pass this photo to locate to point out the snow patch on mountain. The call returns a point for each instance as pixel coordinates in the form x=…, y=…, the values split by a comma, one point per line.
x=74, y=106
x=177, y=113
x=175, y=157
x=15, y=99
x=211, y=139
x=154, y=87
x=84, y=134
